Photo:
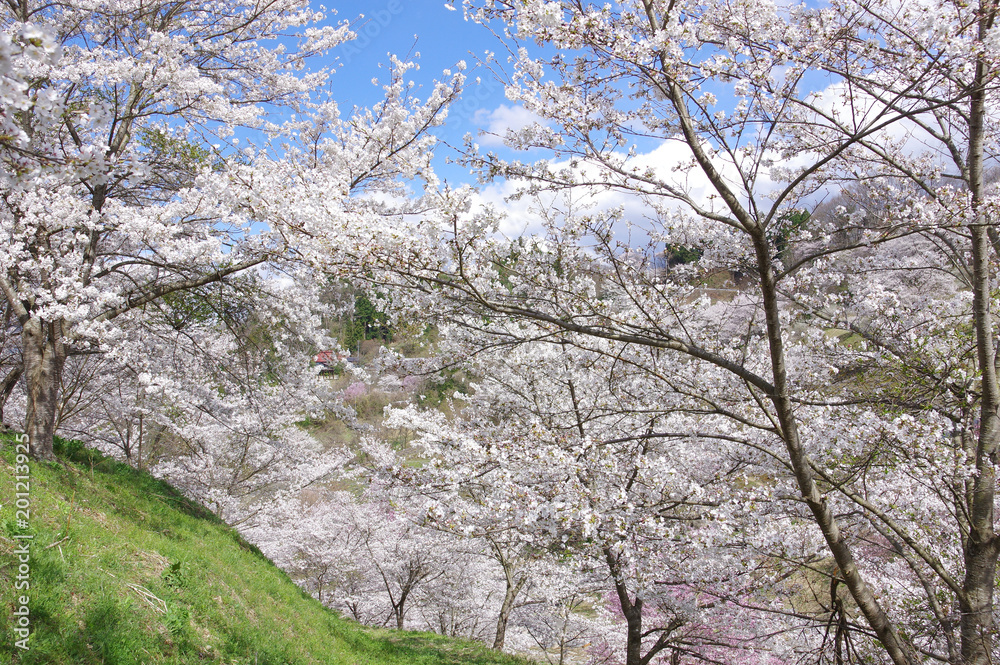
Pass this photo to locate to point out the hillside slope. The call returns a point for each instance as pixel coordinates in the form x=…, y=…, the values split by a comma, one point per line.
x=125, y=570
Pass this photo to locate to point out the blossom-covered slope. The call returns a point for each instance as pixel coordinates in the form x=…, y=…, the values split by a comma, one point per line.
x=123, y=569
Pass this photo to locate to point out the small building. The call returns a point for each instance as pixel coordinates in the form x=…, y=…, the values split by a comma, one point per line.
x=331, y=361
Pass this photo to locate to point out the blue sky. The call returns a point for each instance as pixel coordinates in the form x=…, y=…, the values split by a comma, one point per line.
x=442, y=37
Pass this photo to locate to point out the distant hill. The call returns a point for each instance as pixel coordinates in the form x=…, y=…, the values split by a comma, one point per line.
x=124, y=570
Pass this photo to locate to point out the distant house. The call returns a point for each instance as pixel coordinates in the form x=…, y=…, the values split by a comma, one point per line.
x=330, y=360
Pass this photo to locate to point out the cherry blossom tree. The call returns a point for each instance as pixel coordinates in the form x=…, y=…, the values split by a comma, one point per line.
x=125, y=180
x=565, y=457
x=363, y=557
x=228, y=433
x=562, y=625
x=853, y=353
x=21, y=51
x=322, y=550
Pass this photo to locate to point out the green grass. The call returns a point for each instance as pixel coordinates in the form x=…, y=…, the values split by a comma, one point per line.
x=125, y=570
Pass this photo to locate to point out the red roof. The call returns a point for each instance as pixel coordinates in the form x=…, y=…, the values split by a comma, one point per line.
x=329, y=357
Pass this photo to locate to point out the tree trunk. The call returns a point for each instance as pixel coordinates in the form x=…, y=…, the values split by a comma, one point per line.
x=631, y=609
x=895, y=646
x=44, y=357
x=399, y=618
x=982, y=544
x=8, y=386
x=503, y=619
x=633, y=643
x=399, y=608
x=510, y=595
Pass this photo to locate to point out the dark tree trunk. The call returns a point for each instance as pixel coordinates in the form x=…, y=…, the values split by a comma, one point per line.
x=633, y=644
x=632, y=609
x=44, y=358
x=13, y=376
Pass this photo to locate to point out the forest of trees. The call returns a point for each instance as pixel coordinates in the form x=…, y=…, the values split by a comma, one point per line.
x=735, y=401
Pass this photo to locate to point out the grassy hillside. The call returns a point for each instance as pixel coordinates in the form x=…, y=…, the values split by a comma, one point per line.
x=125, y=570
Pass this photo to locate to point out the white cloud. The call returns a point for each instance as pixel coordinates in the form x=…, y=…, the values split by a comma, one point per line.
x=496, y=123
x=524, y=216
x=667, y=163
